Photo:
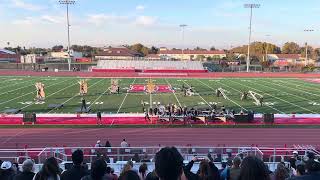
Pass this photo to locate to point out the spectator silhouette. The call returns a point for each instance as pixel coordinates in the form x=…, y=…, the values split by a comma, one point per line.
x=168, y=164
x=253, y=168
x=77, y=171
x=50, y=170
x=98, y=170
x=27, y=171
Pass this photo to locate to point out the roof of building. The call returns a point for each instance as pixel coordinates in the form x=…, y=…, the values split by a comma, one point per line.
x=4, y=51
x=288, y=56
x=118, y=51
x=191, y=52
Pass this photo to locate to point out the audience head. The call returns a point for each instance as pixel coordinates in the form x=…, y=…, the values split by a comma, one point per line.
x=312, y=166
x=130, y=175
x=205, y=170
x=27, y=165
x=77, y=157
x=281, y=172
x=143, y=169
x=98, y=169
x=6, y=166
x=236, y=162
x=168, y=163
x=300, y=170
x=253, y=168
x=108, y=170
x=50, y=168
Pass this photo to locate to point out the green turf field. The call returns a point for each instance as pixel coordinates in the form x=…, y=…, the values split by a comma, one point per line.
x=280, y=95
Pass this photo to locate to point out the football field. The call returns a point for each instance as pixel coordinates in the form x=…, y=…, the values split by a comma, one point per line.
x=280, y=95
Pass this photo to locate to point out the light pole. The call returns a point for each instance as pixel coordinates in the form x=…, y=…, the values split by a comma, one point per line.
x=307, y=61
x=67, y=3
x=268, y=35
x=251, y=6
x=182, y=26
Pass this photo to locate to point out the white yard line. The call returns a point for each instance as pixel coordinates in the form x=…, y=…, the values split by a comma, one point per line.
x=302, y=85
x=77, y=94
x=30, y=93
x=275, y=97
x=199, y=95
x=174, y=93
x=281, y=91
x=17, y=88
x=125, y=97
x=51, y=95
x=99, y=97
x=295, y=89
x=226, y=97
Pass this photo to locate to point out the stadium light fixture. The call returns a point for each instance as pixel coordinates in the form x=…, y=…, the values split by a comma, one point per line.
x=251, y=6
x=307, y=61
x=182, y=26
x=67, y=3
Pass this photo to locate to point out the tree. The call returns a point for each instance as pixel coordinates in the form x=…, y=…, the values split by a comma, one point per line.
x=57, y=48
x=154, y=50
x=199, y=48
x=213, y=48
x=140, y=49
x=291, y=48
x=200, y=57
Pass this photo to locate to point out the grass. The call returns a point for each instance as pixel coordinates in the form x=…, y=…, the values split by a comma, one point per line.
x=281, y=95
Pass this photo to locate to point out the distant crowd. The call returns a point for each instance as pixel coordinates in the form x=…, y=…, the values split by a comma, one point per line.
x=169, y=165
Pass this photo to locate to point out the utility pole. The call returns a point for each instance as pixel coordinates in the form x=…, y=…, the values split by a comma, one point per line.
x=251, y=6
x=268, y=35
x=307, y=61
x=67, y=3
x=182, y=26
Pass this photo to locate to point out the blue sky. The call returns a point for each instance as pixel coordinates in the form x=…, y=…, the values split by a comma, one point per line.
x=219, y=23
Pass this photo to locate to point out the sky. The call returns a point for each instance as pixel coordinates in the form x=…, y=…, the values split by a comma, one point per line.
x=218, y=23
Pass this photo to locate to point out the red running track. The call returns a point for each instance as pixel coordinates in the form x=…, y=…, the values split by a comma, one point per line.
x=45, y=137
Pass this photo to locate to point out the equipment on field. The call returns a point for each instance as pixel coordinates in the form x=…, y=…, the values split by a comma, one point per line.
x=189, y=92
x=40, y=91
x=268, y=118
x=244, y=95
x=114, y=88
x=55, y=106
x=83, y=87
x=258, y=98
x=222, y=92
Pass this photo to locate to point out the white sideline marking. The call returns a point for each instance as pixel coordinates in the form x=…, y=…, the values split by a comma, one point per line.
x=52, y=94
x=199, y=95
x=274, y=97
x=174, y=93
x=30, y=93
x=125, y=97
x=77, y=94
x=227, y=96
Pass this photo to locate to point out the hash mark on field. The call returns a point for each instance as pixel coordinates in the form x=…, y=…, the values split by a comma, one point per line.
x=75, y=95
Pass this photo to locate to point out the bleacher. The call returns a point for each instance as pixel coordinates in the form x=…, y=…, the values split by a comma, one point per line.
x=149, y=66
x=118, y=157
